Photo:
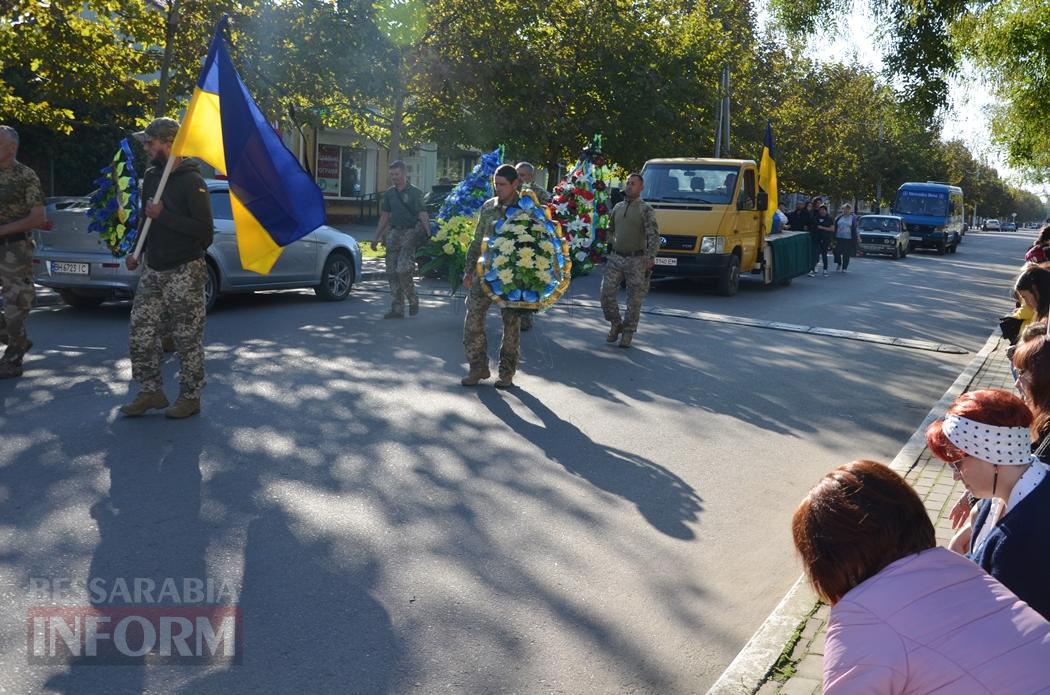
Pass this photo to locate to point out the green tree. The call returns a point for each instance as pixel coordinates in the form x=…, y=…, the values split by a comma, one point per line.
x=543, y=77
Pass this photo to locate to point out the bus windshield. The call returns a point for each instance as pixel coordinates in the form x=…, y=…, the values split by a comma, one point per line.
x=922, y=203
x=710, y=184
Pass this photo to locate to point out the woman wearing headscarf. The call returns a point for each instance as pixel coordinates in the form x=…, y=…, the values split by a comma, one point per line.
x=908, y=617
x=985, y=437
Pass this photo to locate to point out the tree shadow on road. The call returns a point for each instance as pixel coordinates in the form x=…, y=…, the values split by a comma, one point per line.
x=661, y=497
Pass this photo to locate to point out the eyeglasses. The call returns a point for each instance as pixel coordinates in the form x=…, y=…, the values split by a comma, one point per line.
x=956, y=465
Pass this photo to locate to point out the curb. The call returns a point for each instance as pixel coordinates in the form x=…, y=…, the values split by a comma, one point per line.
x=749, y=669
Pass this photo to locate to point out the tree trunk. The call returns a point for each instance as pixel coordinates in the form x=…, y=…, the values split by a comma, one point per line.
x=552, y=169
x=165, y=67
x=395, y=124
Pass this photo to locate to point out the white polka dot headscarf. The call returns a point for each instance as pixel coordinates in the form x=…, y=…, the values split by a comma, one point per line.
x=1005, y=446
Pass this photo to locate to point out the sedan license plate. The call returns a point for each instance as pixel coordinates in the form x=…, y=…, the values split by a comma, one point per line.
x=666, y=261
x=70, y=268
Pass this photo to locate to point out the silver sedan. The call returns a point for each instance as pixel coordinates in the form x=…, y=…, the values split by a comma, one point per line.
x=80, y=267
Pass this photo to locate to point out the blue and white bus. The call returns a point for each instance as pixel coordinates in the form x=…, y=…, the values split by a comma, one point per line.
x=933, y=213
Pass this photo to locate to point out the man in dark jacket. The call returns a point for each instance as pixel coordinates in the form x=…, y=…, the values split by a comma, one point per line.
x=799, y=218
x=171, y=287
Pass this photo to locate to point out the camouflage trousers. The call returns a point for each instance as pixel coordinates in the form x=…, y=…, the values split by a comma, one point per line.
x=401, y=246
x=16, y=287
x=475, y=343
x=632, y=270
x=169, y=298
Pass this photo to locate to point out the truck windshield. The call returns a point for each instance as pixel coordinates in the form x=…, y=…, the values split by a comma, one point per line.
x=921, y=203
x=710, y=184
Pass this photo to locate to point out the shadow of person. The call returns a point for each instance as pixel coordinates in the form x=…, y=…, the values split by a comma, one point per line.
x=665, y=500
x=310, y=623
x=150, y=532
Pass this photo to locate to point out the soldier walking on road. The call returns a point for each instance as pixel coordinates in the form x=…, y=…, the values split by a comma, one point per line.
x=527, y=176
x=21, y=209
x=170, y=292
x=475, y=344
x=403, y=212
x=634, y=239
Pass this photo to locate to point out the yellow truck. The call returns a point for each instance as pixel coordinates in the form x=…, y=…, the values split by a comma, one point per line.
x=710, y=213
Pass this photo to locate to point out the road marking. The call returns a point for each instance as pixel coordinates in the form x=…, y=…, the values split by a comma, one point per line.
x=711, y=317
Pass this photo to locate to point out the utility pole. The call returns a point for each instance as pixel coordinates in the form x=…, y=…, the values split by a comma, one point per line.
x=878, y=181
x=722, y=131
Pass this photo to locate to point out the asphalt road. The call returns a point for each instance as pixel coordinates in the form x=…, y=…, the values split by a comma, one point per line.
x=619, y=523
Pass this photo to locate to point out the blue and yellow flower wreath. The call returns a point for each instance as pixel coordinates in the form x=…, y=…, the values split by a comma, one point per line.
x=114, y=208
x=525, y=265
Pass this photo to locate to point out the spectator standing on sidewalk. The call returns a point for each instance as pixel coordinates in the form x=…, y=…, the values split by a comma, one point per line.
x=823, y=231
x=1040, y=250
x=475, y=344
x=404, y=214
x=527, y=176
x=986, y=438
x=634, y=239
x=1033, y=288
x=170, y=293
x=845, y=237
x=21, y=210
x=907, y=616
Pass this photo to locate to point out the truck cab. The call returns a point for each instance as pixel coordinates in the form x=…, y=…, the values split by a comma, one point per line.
x=710, y=214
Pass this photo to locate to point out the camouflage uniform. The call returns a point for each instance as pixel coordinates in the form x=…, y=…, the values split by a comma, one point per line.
x=175, y=296
x=403, y=238
x=20, y=192
x=541, y=193
x=634, y=239
x=170, y=293
x=401, y=245
x=475, y=344
x=544, y=198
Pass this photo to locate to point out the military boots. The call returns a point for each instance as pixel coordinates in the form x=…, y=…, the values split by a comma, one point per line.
x=614, y=333
x=476, y=374
x=146, y=400
x=184, y=407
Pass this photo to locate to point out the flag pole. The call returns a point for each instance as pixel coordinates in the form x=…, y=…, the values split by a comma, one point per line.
x=137, y=253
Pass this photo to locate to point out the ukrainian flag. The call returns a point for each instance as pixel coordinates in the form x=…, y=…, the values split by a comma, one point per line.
x=274, y=200
x=767, y=177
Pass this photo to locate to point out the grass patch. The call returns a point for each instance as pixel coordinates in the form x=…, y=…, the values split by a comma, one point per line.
x=369, y=250
x=784, y=668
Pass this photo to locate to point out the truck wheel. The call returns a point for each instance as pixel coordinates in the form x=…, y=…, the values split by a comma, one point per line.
x=729, y=282
x=941, y=248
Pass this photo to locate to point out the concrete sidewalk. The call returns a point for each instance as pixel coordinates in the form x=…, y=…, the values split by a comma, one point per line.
x=785, y=655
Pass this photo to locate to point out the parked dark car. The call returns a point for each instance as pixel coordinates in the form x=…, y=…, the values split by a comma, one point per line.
x=436, y=197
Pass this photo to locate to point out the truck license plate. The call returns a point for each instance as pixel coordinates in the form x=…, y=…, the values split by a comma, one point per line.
x=70, y=268
x=666, y=261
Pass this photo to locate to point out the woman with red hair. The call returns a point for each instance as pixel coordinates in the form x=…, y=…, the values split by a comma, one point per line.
x=986, y=439
x=907, y=616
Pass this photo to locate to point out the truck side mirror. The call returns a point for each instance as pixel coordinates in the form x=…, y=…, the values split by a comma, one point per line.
x=763, y=201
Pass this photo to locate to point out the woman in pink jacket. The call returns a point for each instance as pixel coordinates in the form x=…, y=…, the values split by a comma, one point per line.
x=908, y=617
